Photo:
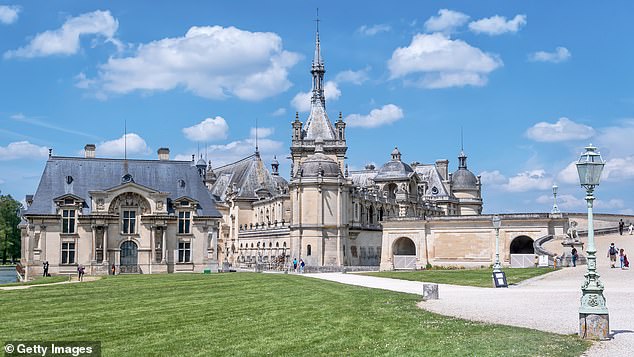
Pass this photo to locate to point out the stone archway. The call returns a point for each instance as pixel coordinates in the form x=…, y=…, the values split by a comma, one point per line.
x=404, y=253
x=522, y=245
x=522, y=252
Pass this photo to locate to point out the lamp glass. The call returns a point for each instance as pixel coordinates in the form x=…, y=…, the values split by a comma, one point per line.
x=589, y=167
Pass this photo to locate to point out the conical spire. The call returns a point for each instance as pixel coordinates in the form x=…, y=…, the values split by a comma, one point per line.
x=318, y=125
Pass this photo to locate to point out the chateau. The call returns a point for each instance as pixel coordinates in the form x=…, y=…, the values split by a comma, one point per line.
x=157, y=216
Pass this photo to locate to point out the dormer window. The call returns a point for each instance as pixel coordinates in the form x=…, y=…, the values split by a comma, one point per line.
x=184, y=203
x=69, y=201
x=68, y=221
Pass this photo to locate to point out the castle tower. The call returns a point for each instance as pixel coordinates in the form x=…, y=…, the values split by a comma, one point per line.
x=318, y=127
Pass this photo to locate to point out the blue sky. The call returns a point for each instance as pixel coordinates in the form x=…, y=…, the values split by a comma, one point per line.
x=529, y=83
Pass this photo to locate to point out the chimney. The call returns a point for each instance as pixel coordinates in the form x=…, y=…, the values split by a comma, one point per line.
x=29, y=200
x=443, y=168
x=164, y=154
x=89, y=151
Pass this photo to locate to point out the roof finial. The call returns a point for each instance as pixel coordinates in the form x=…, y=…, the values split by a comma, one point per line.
x=125, y=139
x=461, y=140
x=257, y=151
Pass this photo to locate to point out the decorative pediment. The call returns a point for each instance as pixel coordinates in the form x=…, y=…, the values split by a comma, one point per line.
x=184, y=201
x=129, y=200
x=69, y=199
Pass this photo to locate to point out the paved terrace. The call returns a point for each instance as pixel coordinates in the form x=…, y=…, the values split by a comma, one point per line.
x=548, y=303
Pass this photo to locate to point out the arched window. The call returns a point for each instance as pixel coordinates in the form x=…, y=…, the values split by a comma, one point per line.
x=277, y=244
x=309, y=250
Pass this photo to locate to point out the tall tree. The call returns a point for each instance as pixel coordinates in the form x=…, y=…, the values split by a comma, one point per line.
x=9, y=232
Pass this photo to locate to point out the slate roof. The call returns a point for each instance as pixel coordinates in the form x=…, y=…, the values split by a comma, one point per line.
x=363, y=178
x=318, y=126
x=429, y=174
x=394, y=170
x=90, y=174
x=248, y=175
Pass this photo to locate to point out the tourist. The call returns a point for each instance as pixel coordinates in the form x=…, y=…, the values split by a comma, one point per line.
x=295, y=265
x=80, y=272
x=626, y=262
x=301, y=266
x=621, y=226
x=575, y=255
x=622, y=258
x=612, y=251
x=45, y=269
x=113, y=269
x=630, y=228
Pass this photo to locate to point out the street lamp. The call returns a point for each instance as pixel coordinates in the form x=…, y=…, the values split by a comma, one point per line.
x=497, y=222
x=593, y=312
x=555, y=208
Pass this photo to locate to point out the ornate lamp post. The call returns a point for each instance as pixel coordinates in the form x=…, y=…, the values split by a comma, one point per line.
x=555, y=209
x=497, y=222
x=593, y=312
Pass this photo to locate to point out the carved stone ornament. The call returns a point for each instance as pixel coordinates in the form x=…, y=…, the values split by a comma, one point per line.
x=100, y=204
x=129, y=199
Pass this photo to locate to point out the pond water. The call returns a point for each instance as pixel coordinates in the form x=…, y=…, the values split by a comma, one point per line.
x=7, y=275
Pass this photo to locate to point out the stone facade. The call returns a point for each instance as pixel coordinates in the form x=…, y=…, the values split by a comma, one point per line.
x=142, y=216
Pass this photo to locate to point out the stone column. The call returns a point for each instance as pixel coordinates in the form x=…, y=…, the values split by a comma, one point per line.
x=43, y=242
x=93, y=251
x=163, y=246
x=105, y=245
x=152, y=239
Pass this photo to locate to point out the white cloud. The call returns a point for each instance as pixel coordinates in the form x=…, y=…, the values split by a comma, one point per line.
x=134, y=144
x=354, y=77
x=560, y=54
x=378, y=117
x=210, y=129
x=9, y=14
x=447, y=21
x=442, y=62
x=279, y=112
x=374, y=29
x=563, y=130
x=616, y=141
x=301, y=101
x=211, y=62
x=568, y=202
x=619, y=169
x=569, y=174
x=227, y=153
x=262, y=132
x=497, y=25
x=65, y=40
x=22, y=150
x=529, y=180
x=493, y=178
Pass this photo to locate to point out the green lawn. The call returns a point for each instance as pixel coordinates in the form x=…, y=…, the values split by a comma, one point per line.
x=468, y=277
x=242, y=314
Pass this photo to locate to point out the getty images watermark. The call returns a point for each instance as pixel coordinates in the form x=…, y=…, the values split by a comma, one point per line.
x=53, y=348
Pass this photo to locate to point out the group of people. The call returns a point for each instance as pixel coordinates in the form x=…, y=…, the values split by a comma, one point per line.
x=630, y=227
x=613, y=251
x=299, y=264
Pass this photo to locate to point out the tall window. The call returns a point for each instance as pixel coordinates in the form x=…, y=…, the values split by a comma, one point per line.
x=309, y=250
x=68, y=252
x=184, y=252
x=129, y=222
x=68, y=221
x=184, y=222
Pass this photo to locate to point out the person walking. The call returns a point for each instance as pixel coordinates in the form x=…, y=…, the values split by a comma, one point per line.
x=45, y=274
x=80, y=272
x=612, y=252
x=301, y=266
x=575, y=255
x=295, y=265
x=621, y=226
x=622, y=257
x=113, y=269
x=630, y=228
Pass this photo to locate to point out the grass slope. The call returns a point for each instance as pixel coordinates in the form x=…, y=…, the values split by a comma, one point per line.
x=39, y=281
x=244, y=314
x=467, y=277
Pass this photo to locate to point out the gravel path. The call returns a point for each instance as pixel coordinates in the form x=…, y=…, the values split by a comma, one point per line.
x=548, y=303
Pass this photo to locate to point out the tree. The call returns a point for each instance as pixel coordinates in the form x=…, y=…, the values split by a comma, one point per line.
x=10, y=243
